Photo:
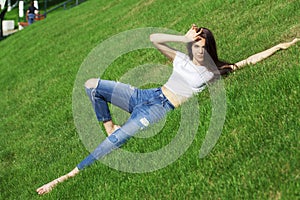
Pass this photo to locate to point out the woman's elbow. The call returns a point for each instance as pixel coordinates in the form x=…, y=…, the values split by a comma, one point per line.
x=154, y=37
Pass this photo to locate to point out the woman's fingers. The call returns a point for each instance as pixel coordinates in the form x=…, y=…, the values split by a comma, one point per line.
x=197, y=38
x=194, y=26
x=42, y=190
x=194, y=33
x=198, y=34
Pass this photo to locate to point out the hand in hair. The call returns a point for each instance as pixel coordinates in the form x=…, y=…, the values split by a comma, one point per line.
x=193, y=34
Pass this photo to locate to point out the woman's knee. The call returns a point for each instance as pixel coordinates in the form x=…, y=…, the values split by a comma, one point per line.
x=91, y=83
x=119, y=137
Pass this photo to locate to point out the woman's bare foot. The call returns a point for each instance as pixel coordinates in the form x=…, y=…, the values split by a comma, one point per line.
x=49, y=186
x=115, y=127
x=110, y=127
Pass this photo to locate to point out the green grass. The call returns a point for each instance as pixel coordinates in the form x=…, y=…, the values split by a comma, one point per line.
x=257, y=155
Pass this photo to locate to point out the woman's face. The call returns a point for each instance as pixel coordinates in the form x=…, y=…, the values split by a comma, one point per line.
x=198, y=51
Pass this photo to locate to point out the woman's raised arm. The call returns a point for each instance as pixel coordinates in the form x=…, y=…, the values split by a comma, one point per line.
x=160, y=39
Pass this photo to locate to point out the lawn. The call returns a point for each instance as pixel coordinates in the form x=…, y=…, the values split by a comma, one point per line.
x=256, y=156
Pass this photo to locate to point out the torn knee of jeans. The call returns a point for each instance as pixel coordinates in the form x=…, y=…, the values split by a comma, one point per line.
x=117, y=141
x=144, y=122
x=91, y=83
x=113, y=139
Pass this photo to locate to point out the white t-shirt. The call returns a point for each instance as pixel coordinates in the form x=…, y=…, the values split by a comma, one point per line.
x=187, y=78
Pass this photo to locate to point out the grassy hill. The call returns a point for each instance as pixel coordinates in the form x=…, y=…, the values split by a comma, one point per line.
x=257, y=155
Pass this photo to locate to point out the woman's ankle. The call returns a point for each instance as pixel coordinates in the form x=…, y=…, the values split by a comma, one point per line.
x=110, y=127
x=115, y=127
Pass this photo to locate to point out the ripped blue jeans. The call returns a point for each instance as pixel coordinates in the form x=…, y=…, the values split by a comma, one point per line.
x=146, y=106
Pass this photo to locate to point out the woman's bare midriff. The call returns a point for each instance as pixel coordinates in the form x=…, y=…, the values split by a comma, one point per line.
x=175, y=99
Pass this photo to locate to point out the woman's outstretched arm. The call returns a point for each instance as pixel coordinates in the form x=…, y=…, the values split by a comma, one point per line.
x=49, y=186
x=264, y=54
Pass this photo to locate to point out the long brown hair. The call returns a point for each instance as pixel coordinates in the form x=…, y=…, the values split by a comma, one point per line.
x=211, y=48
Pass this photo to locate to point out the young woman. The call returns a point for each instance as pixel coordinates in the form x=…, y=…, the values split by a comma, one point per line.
x=147, y=106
